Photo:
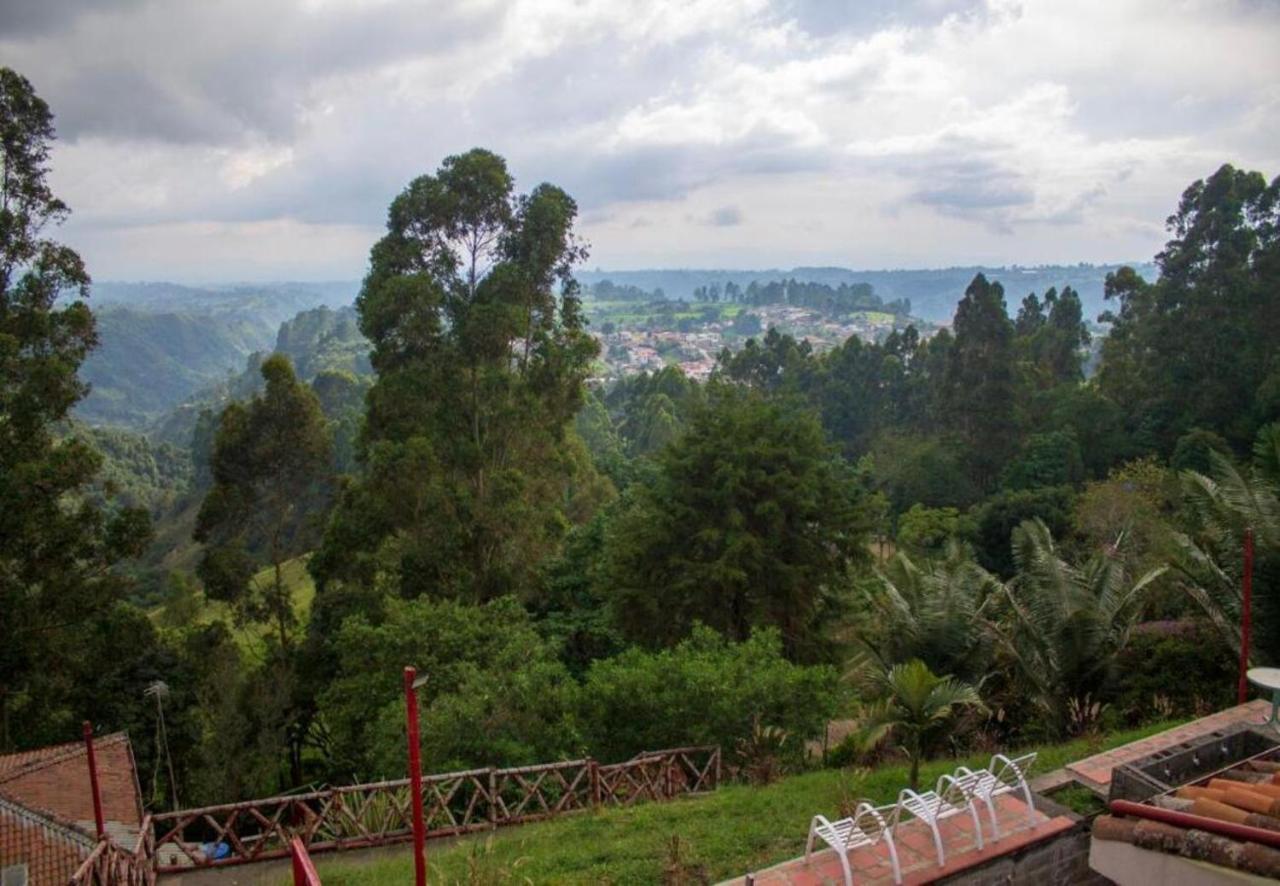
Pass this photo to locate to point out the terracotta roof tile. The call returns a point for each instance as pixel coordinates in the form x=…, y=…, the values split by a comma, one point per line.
x=55, y=781
x=13, y=765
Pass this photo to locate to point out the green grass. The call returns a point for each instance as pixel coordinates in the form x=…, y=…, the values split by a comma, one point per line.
x=1080, y=800
x=249, y=638
x=877, y=316
x=735, y=830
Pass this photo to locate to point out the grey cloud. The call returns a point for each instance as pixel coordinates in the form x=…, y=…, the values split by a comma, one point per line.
x=218, y=73
x=35, y=17
x=965, y=195
x=725, y=217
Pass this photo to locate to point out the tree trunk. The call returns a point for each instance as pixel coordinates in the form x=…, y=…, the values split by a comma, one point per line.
x=283, y=604
x=913, y=751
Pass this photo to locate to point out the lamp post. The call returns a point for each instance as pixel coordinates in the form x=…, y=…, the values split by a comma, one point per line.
x=1246, y=617
x=93, y=780
x=159, y=690
x=411, y=684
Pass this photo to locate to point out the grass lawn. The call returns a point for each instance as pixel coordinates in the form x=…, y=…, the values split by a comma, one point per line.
x=735, y=830
x=249, y=638
x=877, y=316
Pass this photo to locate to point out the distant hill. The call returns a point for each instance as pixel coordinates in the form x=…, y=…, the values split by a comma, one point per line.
x=933, y=292
x=160, y=343
x=314, y=340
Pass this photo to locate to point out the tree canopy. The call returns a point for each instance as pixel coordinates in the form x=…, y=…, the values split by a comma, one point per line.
x=57, y=542
x=750, y=519
x=480, y=351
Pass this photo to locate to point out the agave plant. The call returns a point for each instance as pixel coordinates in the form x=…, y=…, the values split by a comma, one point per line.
x=932, y=611
x=1065, y=624
x=1209, y=557
x=917, y=709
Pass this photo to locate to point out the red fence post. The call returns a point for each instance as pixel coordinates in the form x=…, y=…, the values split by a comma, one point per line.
x=415, y=779
x=1246, y=617
x=93, y=780
x=304, y=871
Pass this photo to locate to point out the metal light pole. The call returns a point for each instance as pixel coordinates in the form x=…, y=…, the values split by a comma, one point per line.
x=1246, y=617
x=93, y=780
x=159, y=690
x=411, y=684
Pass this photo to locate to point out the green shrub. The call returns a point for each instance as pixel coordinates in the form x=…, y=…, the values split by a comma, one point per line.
x=496, y=695
x=1173, y=669
x=1000, y=514
x=706, y=690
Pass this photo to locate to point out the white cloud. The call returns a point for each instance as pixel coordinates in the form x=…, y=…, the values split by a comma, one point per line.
x=886, y=134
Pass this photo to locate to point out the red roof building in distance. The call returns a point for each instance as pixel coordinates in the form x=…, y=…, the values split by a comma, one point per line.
x=46, y=808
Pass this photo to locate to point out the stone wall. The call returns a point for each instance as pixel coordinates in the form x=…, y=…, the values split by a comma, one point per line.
x=1062, y=860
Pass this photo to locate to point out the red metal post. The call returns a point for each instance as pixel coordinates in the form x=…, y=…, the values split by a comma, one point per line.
x=415, y=779
x=304, y=870
x=1246, y=617
x=93, y=780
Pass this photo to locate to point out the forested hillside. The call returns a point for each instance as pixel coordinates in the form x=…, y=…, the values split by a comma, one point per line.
x=951, y=538
x=160, y=343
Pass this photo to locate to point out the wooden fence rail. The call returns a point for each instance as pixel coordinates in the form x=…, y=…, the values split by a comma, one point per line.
x=112, y=865
x=379, y=814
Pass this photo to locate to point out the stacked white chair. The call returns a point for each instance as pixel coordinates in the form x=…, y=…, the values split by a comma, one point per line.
x=953, y=795
x=944, y=801
x=866, y=827
x=1002, y=776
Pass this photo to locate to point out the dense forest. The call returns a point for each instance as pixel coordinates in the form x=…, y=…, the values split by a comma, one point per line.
x=957, y=528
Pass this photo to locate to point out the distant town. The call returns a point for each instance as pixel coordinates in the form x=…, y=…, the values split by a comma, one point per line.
x=645, y=331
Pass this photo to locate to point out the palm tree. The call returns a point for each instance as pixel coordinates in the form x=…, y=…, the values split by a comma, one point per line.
x=1064, y=624
x=932, y=611
x=1222, y=507
x=916, y=709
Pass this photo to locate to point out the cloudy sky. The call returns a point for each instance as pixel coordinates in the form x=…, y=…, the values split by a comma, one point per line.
x=220, y=140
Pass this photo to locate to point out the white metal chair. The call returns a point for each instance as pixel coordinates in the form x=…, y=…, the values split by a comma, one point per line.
x=1002, y=776
x=866, y=827
x=945, y=800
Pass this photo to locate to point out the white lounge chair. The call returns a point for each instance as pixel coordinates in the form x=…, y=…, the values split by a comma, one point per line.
x=931, y=807
x=866, y=827
x=1002, y=776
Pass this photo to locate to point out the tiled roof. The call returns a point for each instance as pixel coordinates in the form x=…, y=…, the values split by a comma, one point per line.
x=55, y=781
x=1229, y=818
x=13, y=765
x=1216, y=849
x=49, y=849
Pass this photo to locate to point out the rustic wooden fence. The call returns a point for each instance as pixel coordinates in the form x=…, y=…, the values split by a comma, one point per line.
x=112, y=865
x=379, y=814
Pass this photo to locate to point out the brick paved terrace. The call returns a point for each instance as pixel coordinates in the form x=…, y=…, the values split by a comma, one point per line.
x=916, y=851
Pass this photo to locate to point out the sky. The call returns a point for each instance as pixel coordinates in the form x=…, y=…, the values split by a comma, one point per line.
x=254, y=140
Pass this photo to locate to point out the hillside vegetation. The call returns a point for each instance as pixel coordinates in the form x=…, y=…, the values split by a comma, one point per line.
x=160, y=344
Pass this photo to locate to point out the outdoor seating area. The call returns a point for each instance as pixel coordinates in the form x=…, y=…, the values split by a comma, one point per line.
x=955, y=795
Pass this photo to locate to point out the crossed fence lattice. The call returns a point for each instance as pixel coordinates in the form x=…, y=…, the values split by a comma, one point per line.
x=377, y=814
x=112, y=865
